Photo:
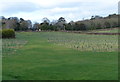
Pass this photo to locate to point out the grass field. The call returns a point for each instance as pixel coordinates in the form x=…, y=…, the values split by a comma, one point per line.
x=60, y=56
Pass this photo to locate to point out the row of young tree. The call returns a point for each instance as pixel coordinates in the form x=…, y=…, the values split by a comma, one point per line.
x=96, y=22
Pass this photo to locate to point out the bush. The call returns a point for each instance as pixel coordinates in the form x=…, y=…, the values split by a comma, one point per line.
x=0, y=34
x=8, y=33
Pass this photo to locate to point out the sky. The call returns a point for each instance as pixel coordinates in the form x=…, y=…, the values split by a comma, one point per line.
x=71, y=10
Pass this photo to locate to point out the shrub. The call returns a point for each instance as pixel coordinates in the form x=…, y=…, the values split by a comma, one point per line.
x=0, y=34
x=8, y=33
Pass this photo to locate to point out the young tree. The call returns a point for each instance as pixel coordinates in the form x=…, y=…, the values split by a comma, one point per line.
x=36, y=26
x=82, y=26
x=45, y=20
x=107, y=24
x=69, y=27
x=29, y=24
x=61, y=23
x=77, y=26
x=44, y=26
x=23, y=25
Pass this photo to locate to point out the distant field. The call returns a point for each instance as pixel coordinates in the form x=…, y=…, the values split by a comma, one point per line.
x=60, y=56
x=112, y=30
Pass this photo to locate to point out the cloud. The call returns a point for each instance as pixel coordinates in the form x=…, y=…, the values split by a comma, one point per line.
x=16, y=7
x=75, y=10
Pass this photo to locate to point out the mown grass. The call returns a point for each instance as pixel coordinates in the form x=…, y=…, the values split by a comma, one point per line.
x=42, y=58
x=10, y=46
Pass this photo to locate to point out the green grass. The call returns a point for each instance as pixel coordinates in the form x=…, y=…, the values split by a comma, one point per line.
x=46, y=56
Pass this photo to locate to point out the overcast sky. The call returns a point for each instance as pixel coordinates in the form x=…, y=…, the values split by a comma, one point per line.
x=35, y=10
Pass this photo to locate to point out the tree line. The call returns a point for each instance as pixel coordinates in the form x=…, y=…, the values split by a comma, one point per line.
x=96, y=22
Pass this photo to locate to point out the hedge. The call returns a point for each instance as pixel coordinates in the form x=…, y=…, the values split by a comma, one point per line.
x=8, y=33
